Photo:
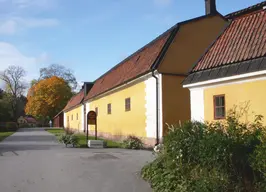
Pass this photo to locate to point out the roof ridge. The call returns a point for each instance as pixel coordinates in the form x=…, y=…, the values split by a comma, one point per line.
x=136, y=52
x=246, y=10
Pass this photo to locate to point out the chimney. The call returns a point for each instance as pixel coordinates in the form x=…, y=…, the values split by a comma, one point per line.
x=210, y=7
x=87, y=87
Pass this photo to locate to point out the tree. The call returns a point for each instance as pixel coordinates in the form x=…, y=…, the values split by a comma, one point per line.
x=48, y=97
x=15, y=87
x=59, y=71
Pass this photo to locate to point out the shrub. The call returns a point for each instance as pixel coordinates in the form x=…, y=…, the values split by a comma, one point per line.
x=11, y=126
x=219, y=156
x=132, y=142
x=25, y=125
x=68, y=139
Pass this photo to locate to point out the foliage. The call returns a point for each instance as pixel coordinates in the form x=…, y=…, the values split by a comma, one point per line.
x=132, y=142
x=218, y=156
x=8, y=127
x=47, y=98
x=59, y=71
x=15, y=87
x=68, y=139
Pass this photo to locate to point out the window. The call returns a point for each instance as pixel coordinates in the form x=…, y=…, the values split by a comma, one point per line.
x=77, y=116
x=67, y=118
x=127, y=104
x=72, y=117
x=219, y=106
x=109, y=108
x=96, y=110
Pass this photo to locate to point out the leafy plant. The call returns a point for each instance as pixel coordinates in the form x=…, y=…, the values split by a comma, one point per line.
x=68, y=139
x=132, y=142
x=219, y=156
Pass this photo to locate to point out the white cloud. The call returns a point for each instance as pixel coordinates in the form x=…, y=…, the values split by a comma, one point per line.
x=10, y=55
x=162, y=2
x=13, y=25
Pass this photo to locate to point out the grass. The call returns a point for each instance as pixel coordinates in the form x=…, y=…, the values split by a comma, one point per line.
x=109, y=143
x=4, y=135
x=82, y=139
x=56, y=132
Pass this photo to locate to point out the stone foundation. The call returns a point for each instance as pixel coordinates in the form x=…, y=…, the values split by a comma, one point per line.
x=148, y=142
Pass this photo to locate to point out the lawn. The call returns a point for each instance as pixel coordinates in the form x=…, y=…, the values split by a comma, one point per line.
x=3, y=135
x=82, y=139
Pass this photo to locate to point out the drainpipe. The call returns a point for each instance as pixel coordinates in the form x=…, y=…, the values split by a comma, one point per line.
x=157, y=108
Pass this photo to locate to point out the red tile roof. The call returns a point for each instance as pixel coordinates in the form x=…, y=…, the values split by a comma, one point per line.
x=246, y=10
x=244, y=39
x=30, y=120
x=75, y=100
x=138, y=63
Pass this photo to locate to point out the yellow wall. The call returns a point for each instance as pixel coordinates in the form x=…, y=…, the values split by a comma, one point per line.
x=75, y=124
x=121, y=122
x=176, y=101
x=238, y=94
x=190, y=43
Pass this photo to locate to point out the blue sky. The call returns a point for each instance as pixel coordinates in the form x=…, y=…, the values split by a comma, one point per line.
x=89, y=36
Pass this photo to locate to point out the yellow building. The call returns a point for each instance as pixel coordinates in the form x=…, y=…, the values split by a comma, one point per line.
x=143, y=93
x=74, y=116
x=233, y=70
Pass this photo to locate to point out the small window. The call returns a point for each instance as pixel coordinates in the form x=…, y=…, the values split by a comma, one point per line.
x=72, y=117
x=96, y=110
x=219, y=106
x=127, y=104
x=77, y=116
x=67, y=118
x=109, y=108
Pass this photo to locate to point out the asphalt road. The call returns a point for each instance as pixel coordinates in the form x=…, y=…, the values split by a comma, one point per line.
x=32, y=161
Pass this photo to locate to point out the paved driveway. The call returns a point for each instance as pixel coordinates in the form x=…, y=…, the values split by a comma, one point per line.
x=32, y=161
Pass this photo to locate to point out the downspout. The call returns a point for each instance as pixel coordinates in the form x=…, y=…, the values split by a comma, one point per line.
x=157, y=108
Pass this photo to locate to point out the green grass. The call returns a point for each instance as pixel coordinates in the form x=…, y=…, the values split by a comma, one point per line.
x=82, y=139
x=3, y=135
x=56, y=132
x=109, y=143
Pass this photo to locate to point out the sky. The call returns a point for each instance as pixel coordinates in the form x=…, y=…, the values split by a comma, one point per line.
x=89, y=36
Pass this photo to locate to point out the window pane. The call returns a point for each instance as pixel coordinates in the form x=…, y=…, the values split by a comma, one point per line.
x=222, y=101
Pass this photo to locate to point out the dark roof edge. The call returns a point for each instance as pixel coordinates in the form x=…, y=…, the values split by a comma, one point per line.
x=167, y=44
x=69, y=109
x=228, y=65
x=158, y=37
x=125, y=82
x=247, y=10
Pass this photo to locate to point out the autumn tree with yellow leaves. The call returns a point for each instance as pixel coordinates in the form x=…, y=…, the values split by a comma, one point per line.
x=48, y=97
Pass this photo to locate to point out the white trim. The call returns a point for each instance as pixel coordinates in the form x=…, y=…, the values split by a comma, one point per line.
x=225, y=79
x=197, y=104
x=150, y=105
x=125, y=85
x=160, y=107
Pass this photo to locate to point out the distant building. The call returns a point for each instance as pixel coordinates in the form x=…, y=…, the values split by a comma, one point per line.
x=27, y=119
x=58, y=120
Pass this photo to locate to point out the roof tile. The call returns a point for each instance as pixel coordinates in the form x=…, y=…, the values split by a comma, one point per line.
x=138, y=63
x=244, y=39
x=75, y=100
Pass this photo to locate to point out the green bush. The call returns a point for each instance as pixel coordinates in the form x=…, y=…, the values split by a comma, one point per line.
x=220, y=156
x=132, y=142
x=11, y=126
x=68, y=139
x=25, y=125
